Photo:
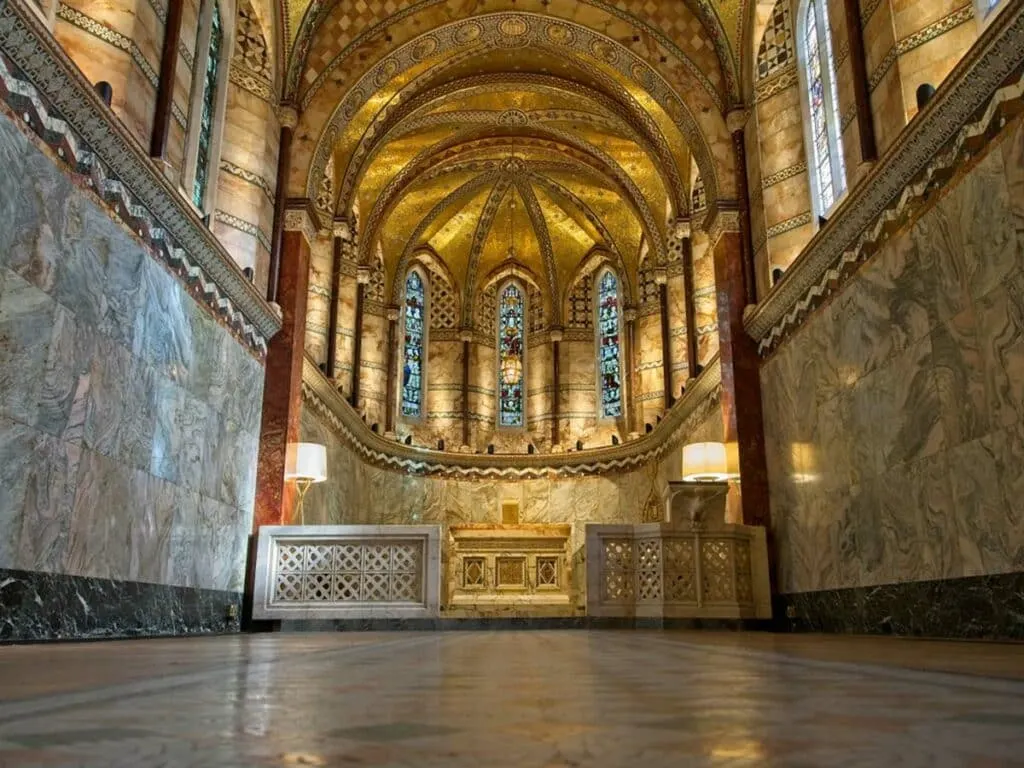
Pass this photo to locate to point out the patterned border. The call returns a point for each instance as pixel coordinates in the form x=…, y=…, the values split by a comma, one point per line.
x=966, y=112
x=936, y=29
x=36, y=76
x=775, y=84
x=786, y=173
x=788, y=224
x=694, y=407
x=242, y=225
x=248, y=176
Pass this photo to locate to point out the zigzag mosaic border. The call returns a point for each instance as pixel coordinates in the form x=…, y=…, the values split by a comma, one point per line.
x=249, y=177
x=701, y=398
x=968, y=111
x=49, y=98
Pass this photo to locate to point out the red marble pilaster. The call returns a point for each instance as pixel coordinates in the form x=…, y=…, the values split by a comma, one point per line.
x=741, y=383
x=282, y=388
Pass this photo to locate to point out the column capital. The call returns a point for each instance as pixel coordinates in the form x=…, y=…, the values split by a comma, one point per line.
x=557, y=333
x=288, y=116
x=629, y=314
x=299, y=217
x=660, y=275
x=736, y=119
x=363, y=275
x=392, y=311
x=465, y=334
x=342, y=229
x=681, y=228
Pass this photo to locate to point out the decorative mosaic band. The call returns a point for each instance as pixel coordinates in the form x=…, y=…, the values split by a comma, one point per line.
x=250, y=83
x=965, y=114
x=786, y=78
x=785, y=226
x=249, y=177
x=786, y=173
x=691, y=410
x=243, y=226
x=39, y=82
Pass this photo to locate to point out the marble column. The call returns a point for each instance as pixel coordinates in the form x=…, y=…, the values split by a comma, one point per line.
x=467, y=338
x=391, y=404
x=629, y=317
x=684, y=233
x=661, y=278
x=362, y=280
x=735, y=121
x=741, y=383
x=861, y=84
x=342, y=233
x=282, y=390
x=556, y=386
x=165, y=87
x=289, y=119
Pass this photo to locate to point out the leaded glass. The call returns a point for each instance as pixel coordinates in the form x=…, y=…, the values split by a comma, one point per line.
x=412, y=371
x=609, y=366
x=511, y=347
x=207, y=111
x=820, y=142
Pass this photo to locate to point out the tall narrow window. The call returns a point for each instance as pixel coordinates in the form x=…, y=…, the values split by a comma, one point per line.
x=412, y=370
x=828, y=170
x=208, y=109
x=609, y=366
x=511, y=349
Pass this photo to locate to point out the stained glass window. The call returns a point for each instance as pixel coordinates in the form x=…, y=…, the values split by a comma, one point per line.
x=206, y=115
x=609, y=365
x=829, y=172
x=412, y=371
x=511, y=349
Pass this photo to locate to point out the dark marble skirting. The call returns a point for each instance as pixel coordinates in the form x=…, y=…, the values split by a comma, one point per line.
x=509, y=623
x=977, y=607
x=38, y=607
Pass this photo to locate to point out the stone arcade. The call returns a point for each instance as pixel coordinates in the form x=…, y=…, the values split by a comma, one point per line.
x=502, y=261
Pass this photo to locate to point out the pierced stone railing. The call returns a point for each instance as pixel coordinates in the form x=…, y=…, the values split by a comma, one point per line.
x=347, y=572
x=666, y=570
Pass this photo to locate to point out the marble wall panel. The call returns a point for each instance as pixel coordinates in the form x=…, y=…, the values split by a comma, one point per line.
x=129, y=418
x=894, y=417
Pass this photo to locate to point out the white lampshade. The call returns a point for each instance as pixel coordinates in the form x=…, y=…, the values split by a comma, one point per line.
x=306, y=461
x=705, y=462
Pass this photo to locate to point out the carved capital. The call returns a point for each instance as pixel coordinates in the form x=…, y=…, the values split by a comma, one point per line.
x=556, y=334
x=342, y=229
x=465, y=334
x=363, y=275
x=724, y=217
x=660, y=275
x=299, y=219
x=392, y=312
x=736, y=120
x=629, y=314
x=287, y=115
x=681, y=229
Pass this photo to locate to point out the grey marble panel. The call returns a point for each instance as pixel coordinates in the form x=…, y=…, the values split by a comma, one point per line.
x=149, y=531
x=1000, y=326
x=27, y=317
x=50, y=474
x=218, y=561
x=126, y=288
x=184, y=540
x=163, y=328
x=1013, y=166
x=210, y=379
x=960, y=377
x=120, y=415
x=17, y=444
x=81, y=270
x=66, y=380
x=180, y=435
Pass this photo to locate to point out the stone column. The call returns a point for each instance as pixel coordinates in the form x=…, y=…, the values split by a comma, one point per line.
x=556, y=387
x=392, y=348
x=342, y=236
x=741, y=383
x=683, y=233
x=282, y=389
x=735, y=121
x=289, y=119
x=165, y=85
x=861, y=86
x=467, y=337
x=661, y=278
x=629, y=317
x=362, y=280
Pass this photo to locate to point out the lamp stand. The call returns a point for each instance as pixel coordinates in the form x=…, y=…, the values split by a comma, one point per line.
x=302, y=485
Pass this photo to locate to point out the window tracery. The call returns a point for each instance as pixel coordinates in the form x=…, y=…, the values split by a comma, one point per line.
x=608, y=346
x=511, y=356
x=828, y=170
x=414, y=322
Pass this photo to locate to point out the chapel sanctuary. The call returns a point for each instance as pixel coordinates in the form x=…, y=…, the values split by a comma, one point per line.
x=485, y=383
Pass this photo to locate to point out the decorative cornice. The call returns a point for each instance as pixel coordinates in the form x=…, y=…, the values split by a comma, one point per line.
x=250, y=83
x=964, y=115
x=786, y=173
x=36, y=76
x=720, y=221
x=695, y=406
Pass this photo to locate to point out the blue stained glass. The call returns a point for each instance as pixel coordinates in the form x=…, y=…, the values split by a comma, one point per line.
x=511, y=348
x=821, y=143
x=412, y=371
x=207, y=111
x=609, y=365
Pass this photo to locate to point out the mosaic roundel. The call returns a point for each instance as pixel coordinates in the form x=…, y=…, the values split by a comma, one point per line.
x=424, y=48
x=559, y=34
x=468, y=32
x=513, y=117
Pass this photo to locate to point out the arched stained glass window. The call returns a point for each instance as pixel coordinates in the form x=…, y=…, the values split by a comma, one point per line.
x=609, y=366
x=511, y=354
x=208, y=109
x=414, y=322
x=828, y=170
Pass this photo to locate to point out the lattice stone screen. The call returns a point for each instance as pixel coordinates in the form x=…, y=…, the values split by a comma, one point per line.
x=662, y=570
x=347, y=571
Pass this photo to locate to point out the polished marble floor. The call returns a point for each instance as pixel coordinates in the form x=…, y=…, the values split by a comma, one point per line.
x=538, y=699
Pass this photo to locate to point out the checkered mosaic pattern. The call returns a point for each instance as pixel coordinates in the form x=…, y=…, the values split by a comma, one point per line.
x=776, y=50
